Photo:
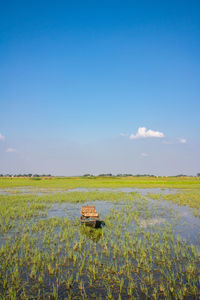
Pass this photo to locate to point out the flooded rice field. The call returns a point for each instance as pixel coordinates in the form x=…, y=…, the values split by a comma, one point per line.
x=41, y=191
x=149, y=247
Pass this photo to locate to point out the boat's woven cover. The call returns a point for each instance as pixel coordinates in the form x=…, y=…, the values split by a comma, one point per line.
x=89, y=211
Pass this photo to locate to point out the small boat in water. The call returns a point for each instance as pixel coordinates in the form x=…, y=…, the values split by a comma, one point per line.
x=89, y=217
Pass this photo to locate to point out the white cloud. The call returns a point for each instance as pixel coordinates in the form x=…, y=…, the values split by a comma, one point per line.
x=10, y=150
x=144, y=133
x=182, y=140
x=144, y=154
x=123, y=134
x=2, y=137
x=175, y=141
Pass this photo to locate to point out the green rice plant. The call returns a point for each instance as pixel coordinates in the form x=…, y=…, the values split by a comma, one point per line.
x=124, y=259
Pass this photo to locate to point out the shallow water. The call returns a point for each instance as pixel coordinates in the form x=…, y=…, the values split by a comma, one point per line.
x=143, y=191
x=162, y=211
x=72, y=210
x=185, y=224
x=41, y=191
x=135, y=231
x=188, y=226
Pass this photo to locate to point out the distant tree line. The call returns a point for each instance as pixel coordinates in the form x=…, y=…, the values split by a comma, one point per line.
x=137, y=175
x=25, y=175
x=118, y=175
x=181, y=175
x=100, y=175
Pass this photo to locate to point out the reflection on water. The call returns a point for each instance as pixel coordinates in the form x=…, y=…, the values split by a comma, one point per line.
x=90, y=233
x=151, y=222
x=187, y=225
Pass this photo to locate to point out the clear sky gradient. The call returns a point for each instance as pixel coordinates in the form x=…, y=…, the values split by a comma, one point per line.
x=79, y=78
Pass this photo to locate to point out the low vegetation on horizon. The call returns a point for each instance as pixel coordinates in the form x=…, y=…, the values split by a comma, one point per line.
x=65, y=183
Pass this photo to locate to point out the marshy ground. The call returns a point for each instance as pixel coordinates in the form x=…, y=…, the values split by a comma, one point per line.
x=149, y=248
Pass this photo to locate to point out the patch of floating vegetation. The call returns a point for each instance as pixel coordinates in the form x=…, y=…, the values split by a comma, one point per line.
x=45, y=253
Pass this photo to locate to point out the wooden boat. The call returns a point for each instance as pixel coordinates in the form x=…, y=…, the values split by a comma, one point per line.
x=89, y=217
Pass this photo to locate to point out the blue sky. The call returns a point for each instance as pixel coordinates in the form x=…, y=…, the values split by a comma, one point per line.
x=79, y=78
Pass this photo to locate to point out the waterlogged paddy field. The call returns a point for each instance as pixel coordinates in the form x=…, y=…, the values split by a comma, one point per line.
x=149, y=248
